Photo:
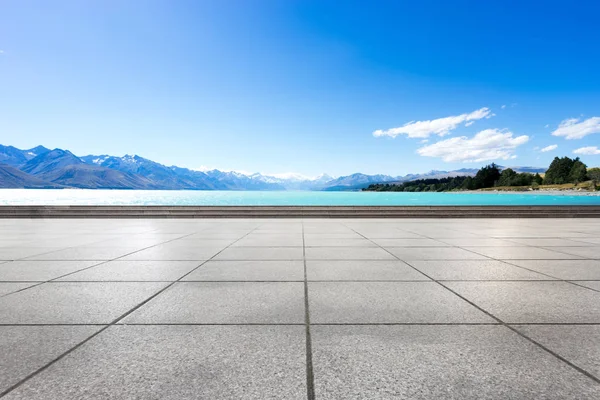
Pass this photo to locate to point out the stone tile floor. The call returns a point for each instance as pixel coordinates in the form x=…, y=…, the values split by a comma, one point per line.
x=300, y=309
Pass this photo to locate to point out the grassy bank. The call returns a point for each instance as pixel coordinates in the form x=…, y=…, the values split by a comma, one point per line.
x=584, y=186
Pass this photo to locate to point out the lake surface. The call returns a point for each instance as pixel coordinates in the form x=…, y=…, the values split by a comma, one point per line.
x=251, y=198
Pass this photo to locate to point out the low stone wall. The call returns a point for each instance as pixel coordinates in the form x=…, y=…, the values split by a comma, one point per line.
x=299, y=212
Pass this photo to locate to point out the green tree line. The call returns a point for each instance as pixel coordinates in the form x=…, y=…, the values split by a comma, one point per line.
x=561, y=170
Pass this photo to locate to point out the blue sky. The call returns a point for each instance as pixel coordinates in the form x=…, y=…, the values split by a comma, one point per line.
x=304, y=86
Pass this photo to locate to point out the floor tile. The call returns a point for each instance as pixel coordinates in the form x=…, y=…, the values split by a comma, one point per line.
x=586, y=252
x=521, y=253
x=548, y=242
x=249, y=271
x=590, y=284
x=17, y=253
x=576, y=343
x=479, y=242
x=439, y=362
x=409, y=243
x=366, y=270
x=225, y=303
x=6, y=288
x=74, y=303
x=29, y=270
x=525, y=302
x=263, y=240
x=25, y=349
x=261, y=253
x=174, y=253
x=86, y=253
x=337, y=242
x=178, y=362
x=388, y=302
x=474, y=270
x=433, y=253
x=347, y=253
x=135, y=271
x=564, y=269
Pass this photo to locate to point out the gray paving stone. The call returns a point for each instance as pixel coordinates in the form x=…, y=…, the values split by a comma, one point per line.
x=409, y=243
x=248, y=271
x=86, y=253
x=433, y=253
x=196, y=242
x=590, y=284
x=479, y=242
x=74, y=303
x=347, y=253
x=261, y=253
x=365, y=270
x=564, y=269
x=525, y=302
x=576, y=343
x=134, y=271
x=339, y=242
x=174, y=253
x=474, y=270
x=270, y=240
x=29, y=270
x=6, y=288
x=379, y=233
x=590, y=240
x=315, y=237
x=388, y=302
x=178, y=362
x=439, y=362
x=549, y=242
x=225, y=303
x=586, y=252
x=25, y=349
x=17, y=253
x=521, y=253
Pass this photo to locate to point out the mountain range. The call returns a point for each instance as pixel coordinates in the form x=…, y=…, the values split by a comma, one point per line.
x=41, y=167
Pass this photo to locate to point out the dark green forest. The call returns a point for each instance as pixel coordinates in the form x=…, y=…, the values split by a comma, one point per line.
x=561, y=170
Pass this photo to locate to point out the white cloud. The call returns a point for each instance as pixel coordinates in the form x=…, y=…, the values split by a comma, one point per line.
x=589, y=151
x=503, y=106
x=574, y=129
x=489, y=144
x=549, y=148
x=469, y=123
x=424, y=141
x=440, y=126
x=1, y=51
x=547, y=126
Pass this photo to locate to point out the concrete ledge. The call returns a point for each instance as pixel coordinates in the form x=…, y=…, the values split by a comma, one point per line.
x=299, y=211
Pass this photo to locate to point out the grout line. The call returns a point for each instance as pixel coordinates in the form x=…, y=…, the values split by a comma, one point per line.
x=572, y=365
x=310, y=378
x=114, y=322
x=319, y=324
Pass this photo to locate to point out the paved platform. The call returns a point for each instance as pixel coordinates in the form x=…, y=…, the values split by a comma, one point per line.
x=300, y=309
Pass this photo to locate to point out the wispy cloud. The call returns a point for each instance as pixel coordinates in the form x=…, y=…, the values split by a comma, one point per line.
x=489, y=144
x=589, y=151
x=440, y=126
x=2, y=52
x=549, y=148
x=503, y=106
x=574, y=128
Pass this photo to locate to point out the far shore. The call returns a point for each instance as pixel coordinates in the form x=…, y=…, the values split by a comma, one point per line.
x=553, y=192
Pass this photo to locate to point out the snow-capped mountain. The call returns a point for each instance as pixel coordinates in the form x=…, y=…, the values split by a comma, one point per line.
x=41, y=167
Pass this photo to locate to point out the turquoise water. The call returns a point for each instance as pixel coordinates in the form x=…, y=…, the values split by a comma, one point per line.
x=224, y=198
